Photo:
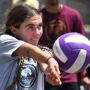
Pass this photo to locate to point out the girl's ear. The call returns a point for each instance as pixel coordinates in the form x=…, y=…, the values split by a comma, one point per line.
x=13, y=30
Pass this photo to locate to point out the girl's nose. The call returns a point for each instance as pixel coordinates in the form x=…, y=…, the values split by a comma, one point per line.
x=38, y=31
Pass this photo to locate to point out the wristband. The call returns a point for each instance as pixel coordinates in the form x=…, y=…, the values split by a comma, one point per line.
x=83, y=74
x=48, y=59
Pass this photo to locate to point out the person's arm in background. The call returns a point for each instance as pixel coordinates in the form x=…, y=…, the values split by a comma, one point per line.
x=78, y=24
x=85, y=78
x=79, y=27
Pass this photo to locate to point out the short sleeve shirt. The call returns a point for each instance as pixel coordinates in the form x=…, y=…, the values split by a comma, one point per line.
x=9, y=65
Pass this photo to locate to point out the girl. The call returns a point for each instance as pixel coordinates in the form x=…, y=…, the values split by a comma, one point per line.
x=23, y=31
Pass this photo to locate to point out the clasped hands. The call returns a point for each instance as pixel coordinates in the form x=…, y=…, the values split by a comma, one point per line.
x=52, y=72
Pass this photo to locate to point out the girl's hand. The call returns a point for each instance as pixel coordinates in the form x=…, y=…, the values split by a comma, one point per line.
x=53, y=72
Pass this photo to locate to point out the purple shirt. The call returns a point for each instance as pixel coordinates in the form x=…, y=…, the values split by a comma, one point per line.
x=54, y=25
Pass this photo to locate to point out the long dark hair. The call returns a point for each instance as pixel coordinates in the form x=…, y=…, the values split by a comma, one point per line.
x=17, y=14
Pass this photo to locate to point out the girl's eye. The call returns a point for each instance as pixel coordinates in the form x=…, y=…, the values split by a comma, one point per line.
x=30, y=27
x=33, y=27
x=40, y=25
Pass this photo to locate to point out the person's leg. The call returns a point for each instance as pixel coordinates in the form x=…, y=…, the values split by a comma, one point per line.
x=64, y=86
x=50, y=87
x=69, y=86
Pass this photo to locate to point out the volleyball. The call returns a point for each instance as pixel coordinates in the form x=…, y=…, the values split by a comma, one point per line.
x=72, y=52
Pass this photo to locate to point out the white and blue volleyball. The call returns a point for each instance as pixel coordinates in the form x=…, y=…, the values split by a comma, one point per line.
x=72, y=51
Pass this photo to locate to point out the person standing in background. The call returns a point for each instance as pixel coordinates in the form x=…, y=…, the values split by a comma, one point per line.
x=59, y=19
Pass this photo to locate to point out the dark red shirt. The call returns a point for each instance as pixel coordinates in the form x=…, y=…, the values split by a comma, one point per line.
x=54, y=25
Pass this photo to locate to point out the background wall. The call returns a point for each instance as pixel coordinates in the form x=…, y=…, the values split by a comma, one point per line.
x=83, y=6
x=4, y=4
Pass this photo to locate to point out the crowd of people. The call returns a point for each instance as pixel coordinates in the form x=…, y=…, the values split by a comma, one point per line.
x=26, y=60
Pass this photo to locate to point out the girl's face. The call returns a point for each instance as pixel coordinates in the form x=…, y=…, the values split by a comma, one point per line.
x=30, y=30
